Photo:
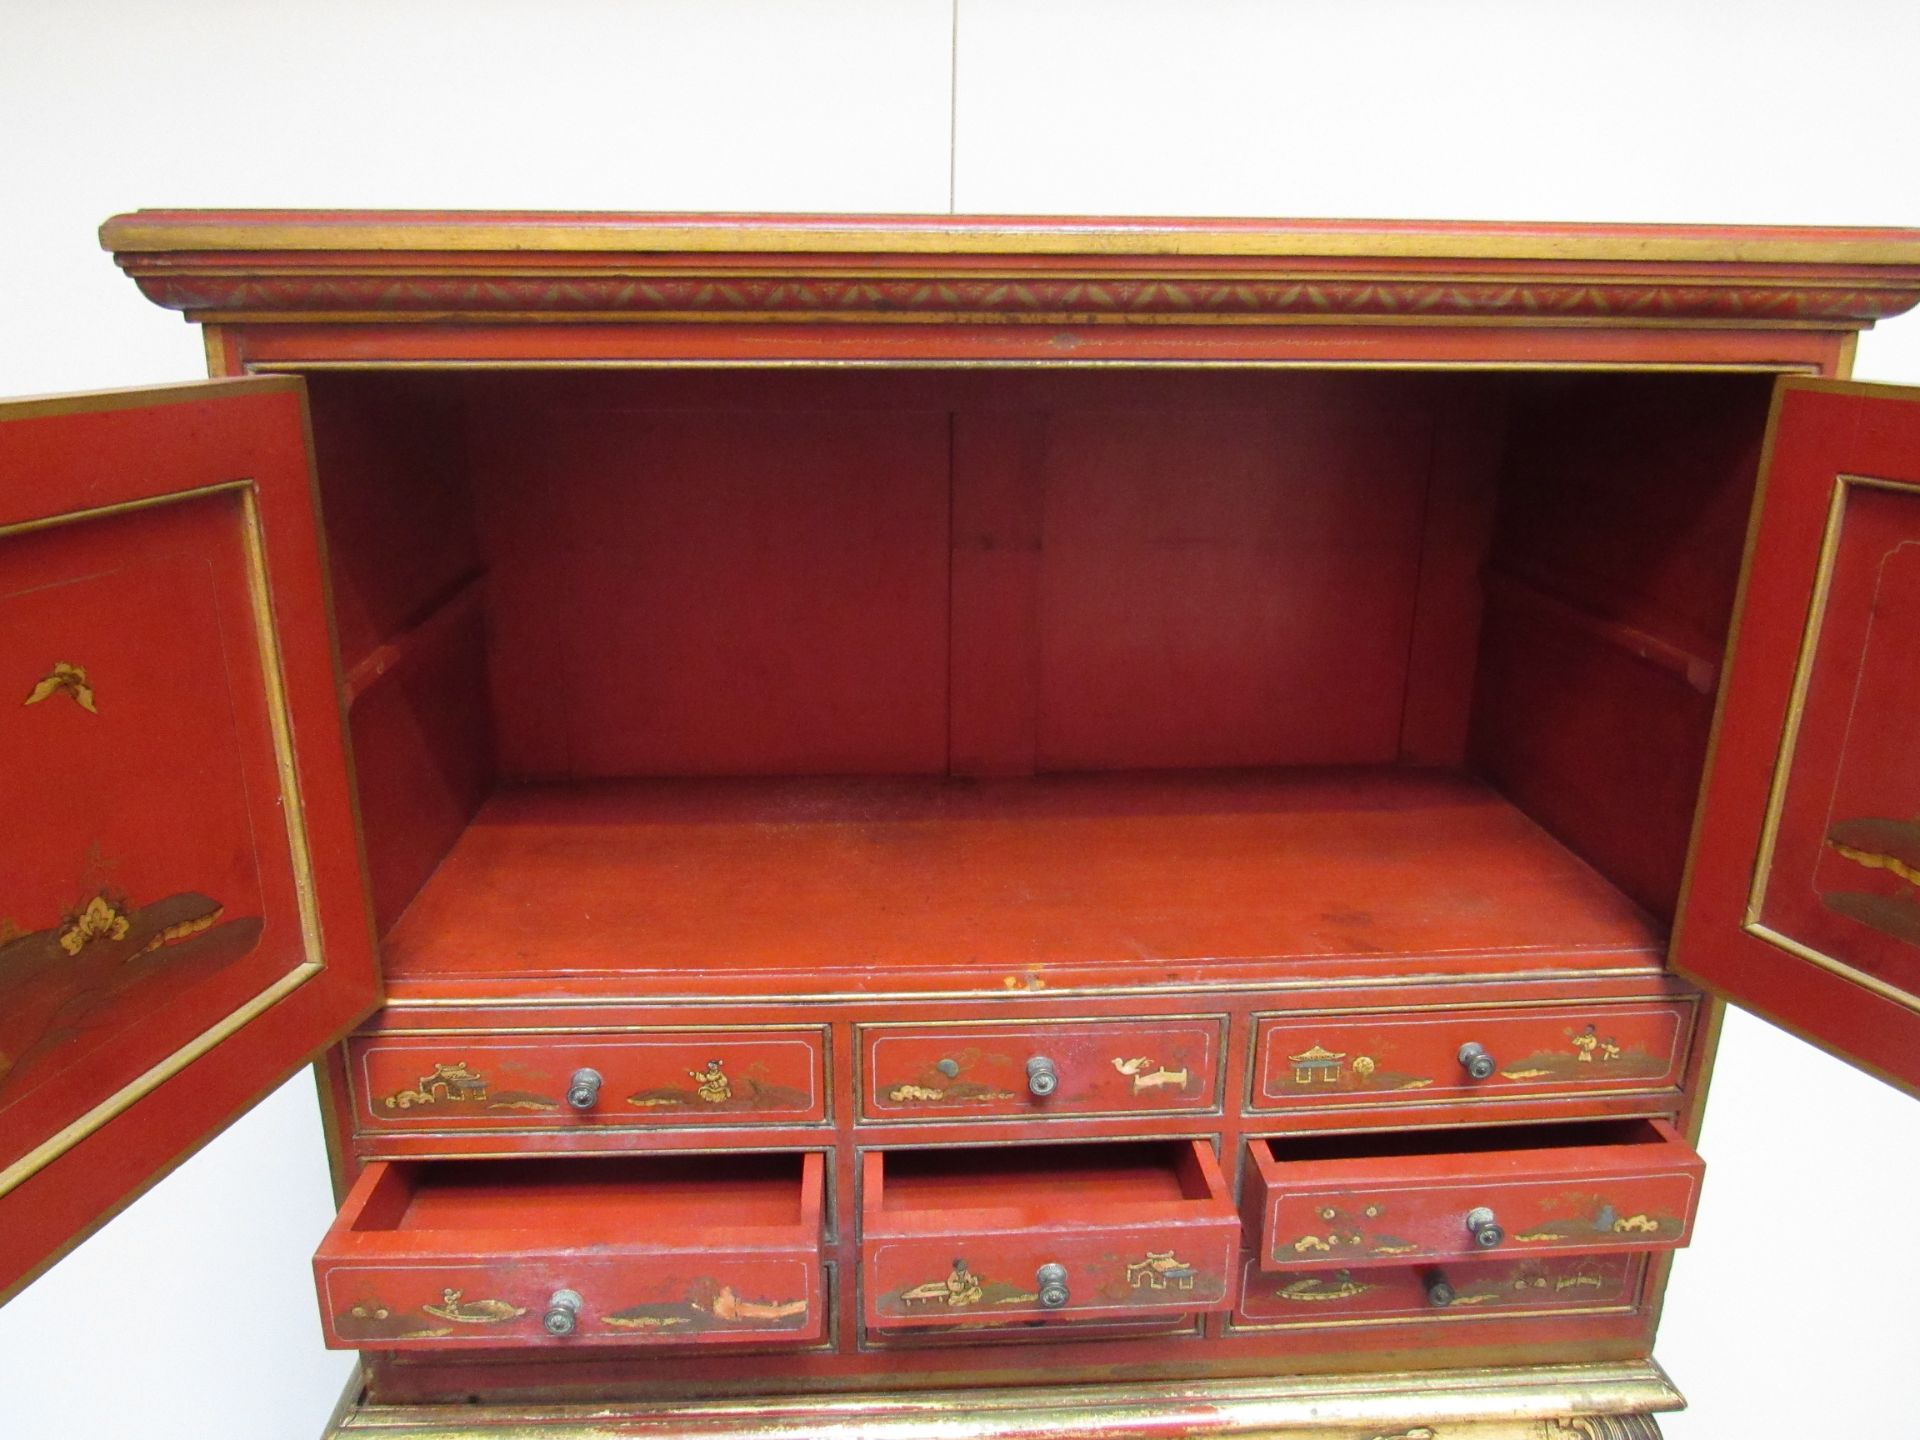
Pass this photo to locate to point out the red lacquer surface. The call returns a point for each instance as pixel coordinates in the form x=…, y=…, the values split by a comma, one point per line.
x=1439, y=1293
x=161, y=837
x=694, y=1077
x=439, y=1255
x=1108, y=1068
x=1397, y=1057
x=1388, y=1199
x=802, y=883
x=1825, y=944
x=965, y=1237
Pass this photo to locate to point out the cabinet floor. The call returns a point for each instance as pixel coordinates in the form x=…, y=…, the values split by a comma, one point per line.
x=812, y=886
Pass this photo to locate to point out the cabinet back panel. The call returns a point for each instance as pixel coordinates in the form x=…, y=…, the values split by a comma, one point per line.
x=955, y=572
x=1227, y=588
x=715, y=592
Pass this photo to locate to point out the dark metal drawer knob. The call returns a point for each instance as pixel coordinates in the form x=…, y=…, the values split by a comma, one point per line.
x=583, y=1091
x=1475, y=1060
x=563, y=1313
x=1485, y=1229
x=1440, y=1293
x=1052, y=1280
x=1042, y=1078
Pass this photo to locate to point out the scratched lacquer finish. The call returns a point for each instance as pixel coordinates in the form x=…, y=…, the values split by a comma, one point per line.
x=159, y=883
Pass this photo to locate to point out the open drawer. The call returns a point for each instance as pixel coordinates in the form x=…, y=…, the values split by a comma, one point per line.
x=970, y=1236
x=1388, y=1198
x=619, y=1250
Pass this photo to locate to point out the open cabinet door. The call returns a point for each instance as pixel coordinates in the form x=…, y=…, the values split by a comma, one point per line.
x=182, y=917
x=1804, y=901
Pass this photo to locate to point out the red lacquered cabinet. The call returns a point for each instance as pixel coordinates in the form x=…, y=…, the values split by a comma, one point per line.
x=1113, y=827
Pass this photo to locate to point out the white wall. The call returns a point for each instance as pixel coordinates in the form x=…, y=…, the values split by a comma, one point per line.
x=190, y=1316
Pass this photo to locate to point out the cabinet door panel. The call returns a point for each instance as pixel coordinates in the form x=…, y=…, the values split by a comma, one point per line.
x=181, y=915
x=1805, y=899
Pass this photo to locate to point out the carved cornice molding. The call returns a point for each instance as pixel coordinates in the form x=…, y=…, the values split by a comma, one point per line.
x=332, y=267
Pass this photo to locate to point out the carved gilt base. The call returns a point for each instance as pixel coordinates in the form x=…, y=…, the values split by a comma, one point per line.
x=1559, y=1402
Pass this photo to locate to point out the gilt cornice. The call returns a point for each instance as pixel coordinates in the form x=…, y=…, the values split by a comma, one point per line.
x=381, y=267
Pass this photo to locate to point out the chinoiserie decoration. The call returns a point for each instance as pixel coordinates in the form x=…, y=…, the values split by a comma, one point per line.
x=455, y=1307
x=68, y=680
x=456, y=1085
x=1148, y=1074
x=712, y=1087
x=100, y=958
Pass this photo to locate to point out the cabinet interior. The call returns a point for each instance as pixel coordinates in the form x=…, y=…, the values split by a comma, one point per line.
x=620, y=1196
x=1059, y=1177
x=949, y=666
x=1464, y=1140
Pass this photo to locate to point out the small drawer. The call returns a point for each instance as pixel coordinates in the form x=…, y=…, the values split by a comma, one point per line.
x=1452, y=1055
x=1390, y=1198
x=1044, y=1232
x=1401, y=1295
x=569, y=1254
x=550, y=1081
x=1040, y=1068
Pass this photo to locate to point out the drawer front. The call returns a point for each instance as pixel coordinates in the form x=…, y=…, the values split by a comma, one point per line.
x=1363, y=1059
x=476, y=1082
x=1568, y=1284
x=521, y=1254
x=502, y=1303
x=1106, y=1067
x=1395, y=1209
x=1069, y=1233
x=990, y=1278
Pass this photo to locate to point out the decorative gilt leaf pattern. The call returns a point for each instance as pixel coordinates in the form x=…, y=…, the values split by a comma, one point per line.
x=68, y=680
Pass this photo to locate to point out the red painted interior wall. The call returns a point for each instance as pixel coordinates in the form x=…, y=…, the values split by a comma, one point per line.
x=983, y=572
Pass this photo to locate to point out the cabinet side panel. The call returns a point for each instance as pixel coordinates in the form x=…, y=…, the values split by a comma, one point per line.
x=1616, y=553
x=407, y=585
